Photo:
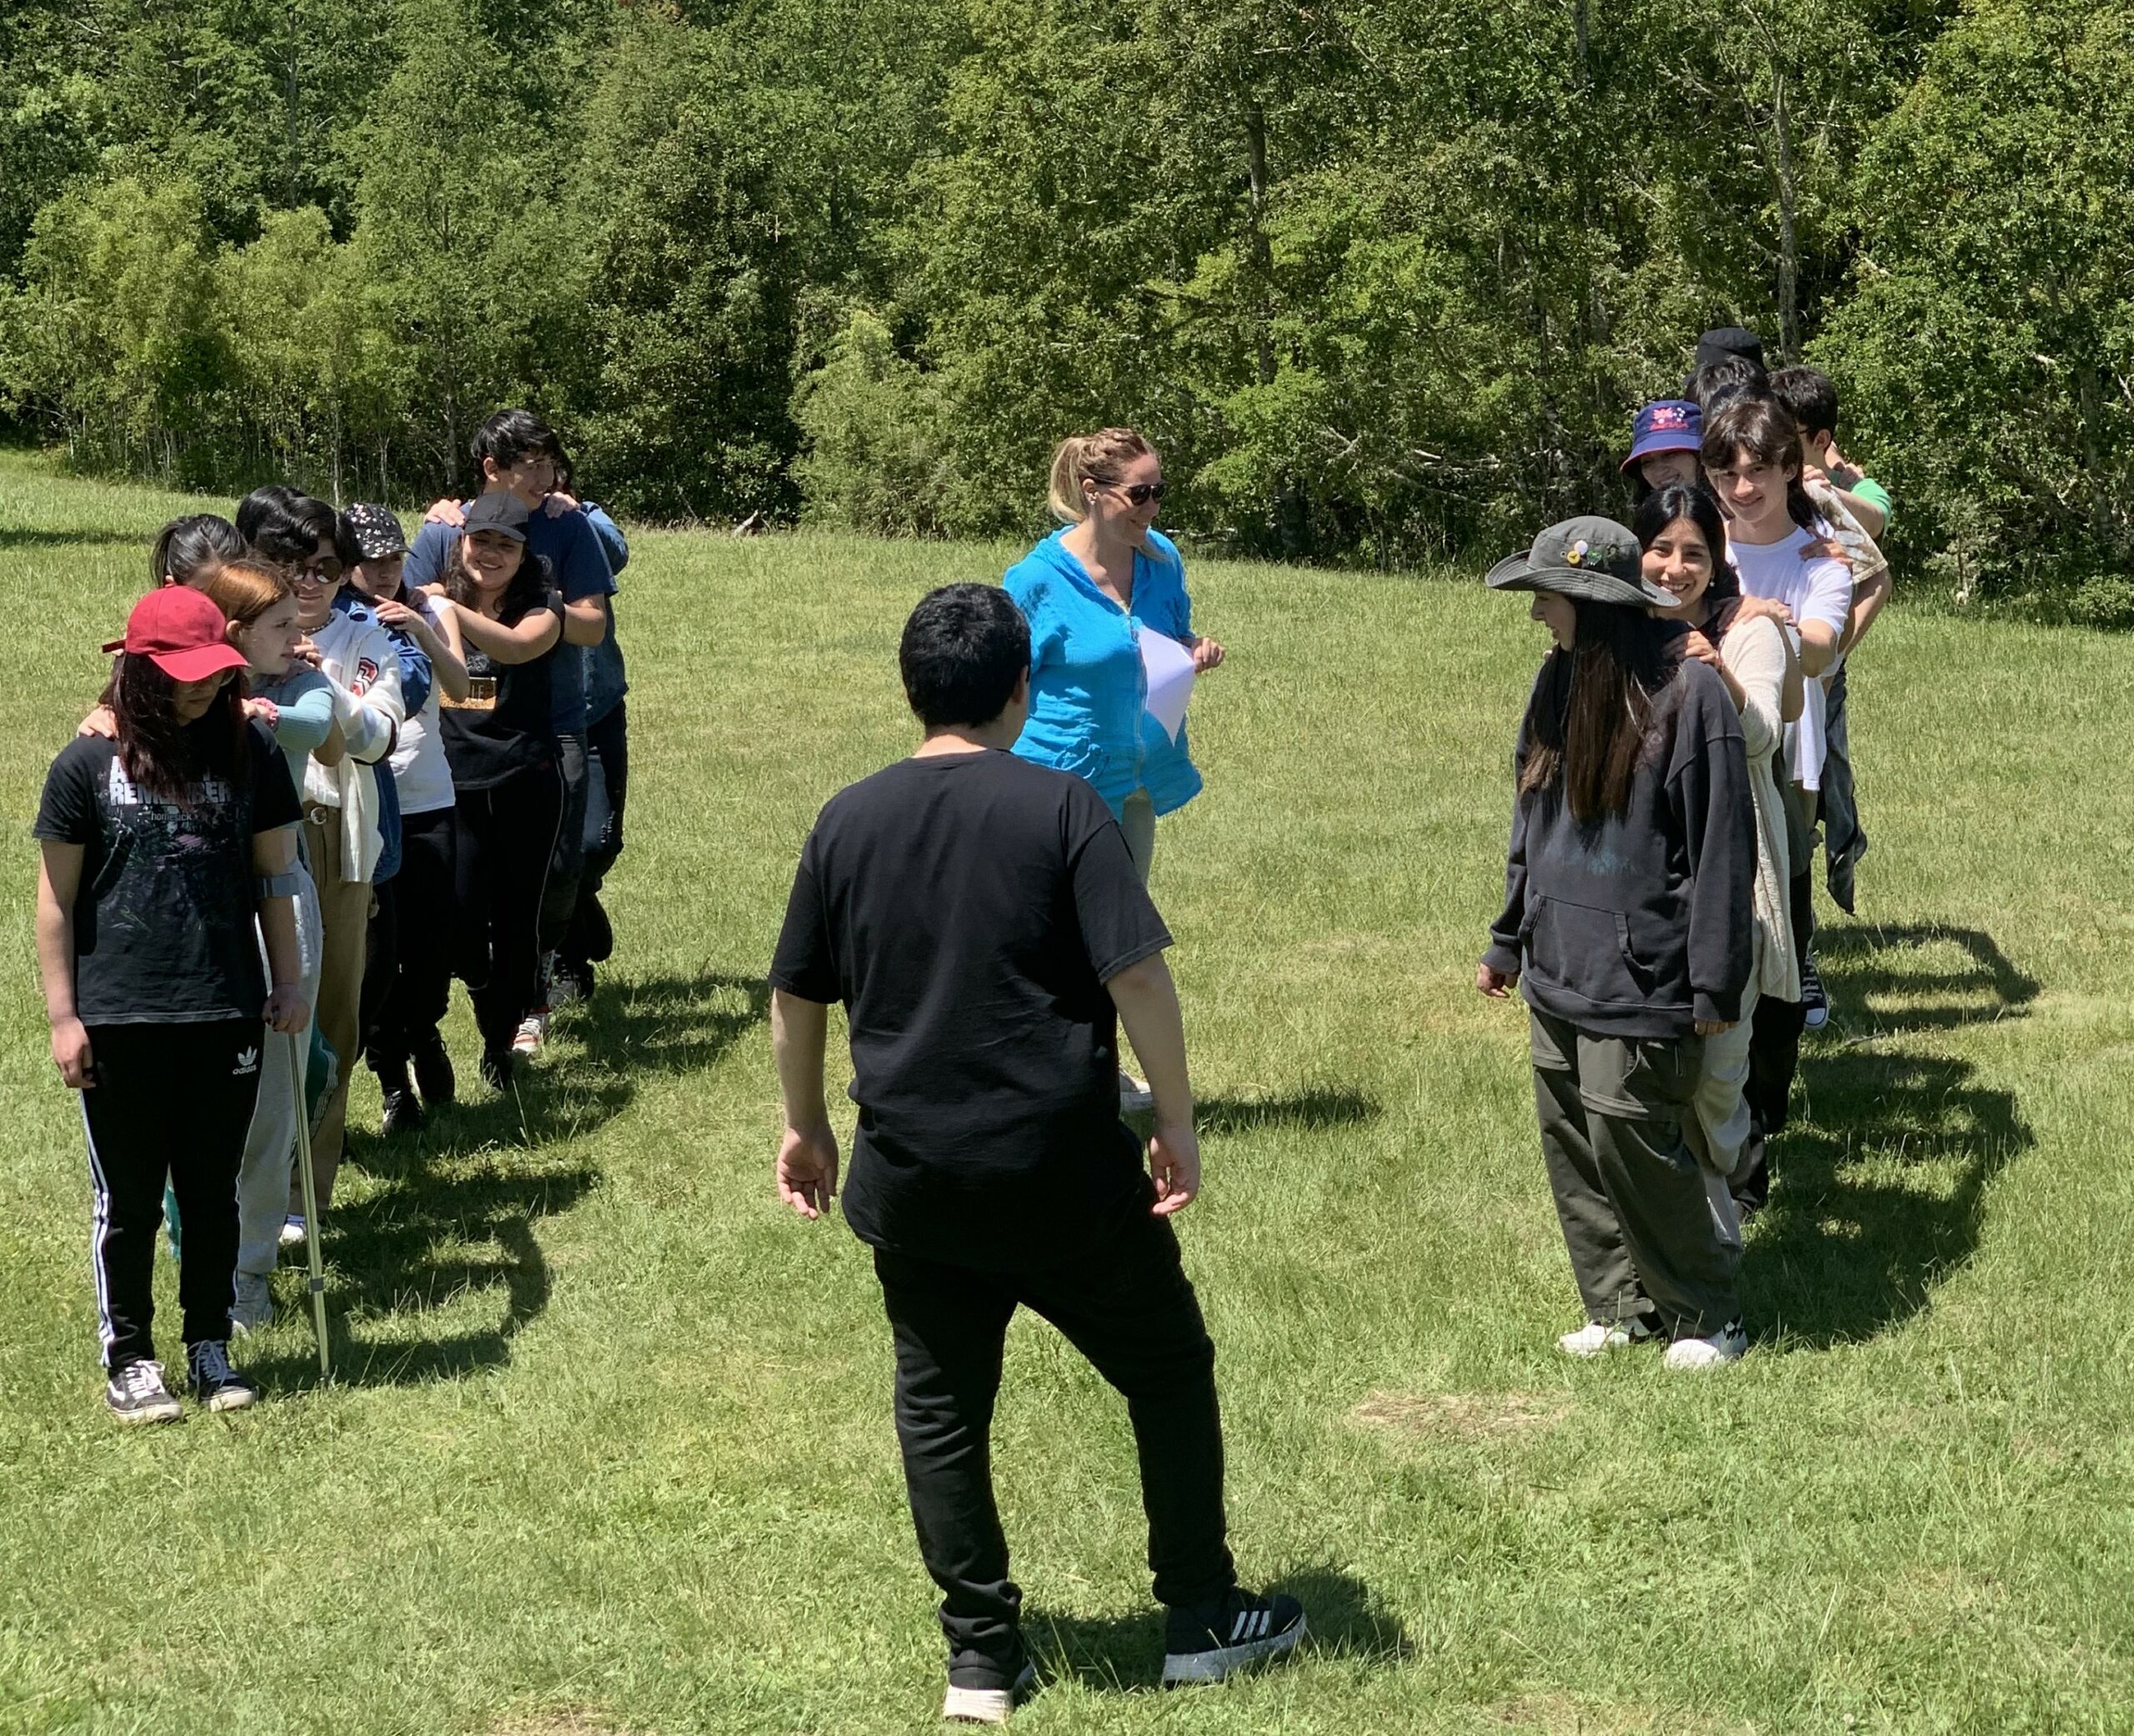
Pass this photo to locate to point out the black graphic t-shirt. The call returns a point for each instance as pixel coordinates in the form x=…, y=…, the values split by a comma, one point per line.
x=164, y=921
x=967, y=911
x=505, y=725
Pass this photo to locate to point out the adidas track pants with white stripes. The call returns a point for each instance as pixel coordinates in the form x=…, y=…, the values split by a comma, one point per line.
x=170, y=1102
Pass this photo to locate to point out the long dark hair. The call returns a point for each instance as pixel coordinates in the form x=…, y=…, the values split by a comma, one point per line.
x=188, y=550
x=1593, y=708
x=1695, y=502
x=528, y=586
x=1764, y=429
x=165, y=758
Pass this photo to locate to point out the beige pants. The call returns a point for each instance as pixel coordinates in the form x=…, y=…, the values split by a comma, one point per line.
x=344, y=918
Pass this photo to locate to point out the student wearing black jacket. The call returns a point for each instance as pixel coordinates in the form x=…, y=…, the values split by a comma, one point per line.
x=1628, y=903
x=981, y=920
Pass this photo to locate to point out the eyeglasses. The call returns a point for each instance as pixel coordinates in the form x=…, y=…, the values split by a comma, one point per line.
x=1141, y=493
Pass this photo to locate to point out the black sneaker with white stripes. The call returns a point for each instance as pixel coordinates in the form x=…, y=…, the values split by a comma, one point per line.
x=136, y=1393
x=1207, y=1644
x=1815, y=998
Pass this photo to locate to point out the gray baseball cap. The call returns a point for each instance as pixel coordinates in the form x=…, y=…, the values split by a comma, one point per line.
x=1593, y=558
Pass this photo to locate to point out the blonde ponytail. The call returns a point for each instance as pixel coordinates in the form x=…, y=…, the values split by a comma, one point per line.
x=1095, y=458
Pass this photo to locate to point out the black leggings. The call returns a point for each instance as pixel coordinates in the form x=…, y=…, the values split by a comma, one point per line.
x=407, y=976
x=170, y=1103
x=503, y=837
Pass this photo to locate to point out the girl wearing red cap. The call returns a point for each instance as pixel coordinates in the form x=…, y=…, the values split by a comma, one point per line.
x=163, y=846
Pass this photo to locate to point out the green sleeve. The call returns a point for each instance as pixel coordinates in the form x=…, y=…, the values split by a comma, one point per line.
x=1875, y=494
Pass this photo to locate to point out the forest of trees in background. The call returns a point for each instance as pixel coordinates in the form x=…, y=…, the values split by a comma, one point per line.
x=1384, y=281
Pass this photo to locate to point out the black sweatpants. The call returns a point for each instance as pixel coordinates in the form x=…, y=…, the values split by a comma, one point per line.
x=171, y=1103
x=1775, y=1057
x=1128, y=1307
x=503, y=838
x=407, y=985
x=590, y=937
x=567, y=862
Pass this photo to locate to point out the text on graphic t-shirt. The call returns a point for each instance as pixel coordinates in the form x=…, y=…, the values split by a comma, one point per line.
x=164, y=919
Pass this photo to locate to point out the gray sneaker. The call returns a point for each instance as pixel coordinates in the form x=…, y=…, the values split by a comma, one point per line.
x=254, y=1306
x=136, y=1393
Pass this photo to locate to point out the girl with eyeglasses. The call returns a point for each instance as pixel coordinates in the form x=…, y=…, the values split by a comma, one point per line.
x=344, y=839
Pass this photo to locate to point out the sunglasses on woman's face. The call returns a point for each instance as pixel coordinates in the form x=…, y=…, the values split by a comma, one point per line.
x=1141, y=493
x=324, y=571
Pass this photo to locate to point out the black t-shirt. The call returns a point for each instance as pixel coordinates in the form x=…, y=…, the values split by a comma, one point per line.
x=163, y=922
x=967, y=910
x=503, y=725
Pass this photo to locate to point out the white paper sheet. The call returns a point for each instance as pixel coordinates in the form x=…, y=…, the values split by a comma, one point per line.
x=1169, y=668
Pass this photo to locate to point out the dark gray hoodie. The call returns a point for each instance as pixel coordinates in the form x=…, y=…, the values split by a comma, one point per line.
x=1640, y=924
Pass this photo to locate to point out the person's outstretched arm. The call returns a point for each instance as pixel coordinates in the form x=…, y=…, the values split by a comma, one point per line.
x=1148, y=1007
x=807, y=1156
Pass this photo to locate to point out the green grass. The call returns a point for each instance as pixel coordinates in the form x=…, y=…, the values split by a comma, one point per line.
x=611, y=1449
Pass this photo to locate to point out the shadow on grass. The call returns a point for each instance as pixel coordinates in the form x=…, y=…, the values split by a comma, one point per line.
x=14, y=537
x=670, y=1023
x=1840, y=1254
x=456, y=1203
x=1125, y=1654
x=1318, y=1106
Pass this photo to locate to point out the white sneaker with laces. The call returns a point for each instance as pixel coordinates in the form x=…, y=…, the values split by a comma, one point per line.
x=532, y=1030
x=1597, y=1338
x=1726, y=1345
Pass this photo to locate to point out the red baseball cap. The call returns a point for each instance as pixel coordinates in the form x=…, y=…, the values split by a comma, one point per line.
x=180, y=632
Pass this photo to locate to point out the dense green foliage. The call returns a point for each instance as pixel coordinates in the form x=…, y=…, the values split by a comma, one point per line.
x=1383, y=279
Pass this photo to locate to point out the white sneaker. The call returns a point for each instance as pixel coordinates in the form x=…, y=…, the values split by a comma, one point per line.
x=532, y=1030
x=1135, y=1097
x=292, y=1230
x=1597, y=1338
x=254, y=1307
x=1726, y=1345
x=987, y=1705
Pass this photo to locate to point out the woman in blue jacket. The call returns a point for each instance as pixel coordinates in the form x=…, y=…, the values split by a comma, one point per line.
x=1090, y=591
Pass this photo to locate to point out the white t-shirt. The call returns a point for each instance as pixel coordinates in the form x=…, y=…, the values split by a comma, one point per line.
x=1816, y=587
x=419, y=771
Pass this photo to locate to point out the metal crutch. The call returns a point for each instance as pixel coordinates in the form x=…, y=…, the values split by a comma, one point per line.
x=311, y=1225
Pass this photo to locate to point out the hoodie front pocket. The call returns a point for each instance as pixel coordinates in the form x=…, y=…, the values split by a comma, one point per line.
x=1586, y=950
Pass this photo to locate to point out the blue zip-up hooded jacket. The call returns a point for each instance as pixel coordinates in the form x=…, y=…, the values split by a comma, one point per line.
x=1088, y=692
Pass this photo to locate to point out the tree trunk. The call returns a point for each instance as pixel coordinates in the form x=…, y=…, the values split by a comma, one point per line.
x=1789, y=241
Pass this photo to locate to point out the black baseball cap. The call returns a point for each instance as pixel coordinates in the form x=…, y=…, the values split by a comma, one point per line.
x=498, y=510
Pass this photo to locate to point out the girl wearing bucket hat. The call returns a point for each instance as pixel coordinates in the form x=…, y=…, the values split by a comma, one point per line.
x=163, y=845
x=1664, y=441
x=1625, y=924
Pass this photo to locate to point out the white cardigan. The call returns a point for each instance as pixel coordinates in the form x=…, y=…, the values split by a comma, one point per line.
x=358, y=657
x=1754, y=653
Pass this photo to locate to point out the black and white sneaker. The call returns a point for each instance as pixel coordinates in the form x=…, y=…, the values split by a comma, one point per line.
x=434, y=1070
x=1815, y=998
x=215, y=1383
x=978, y=1702
x=1207, y=1644
x=136, y=1393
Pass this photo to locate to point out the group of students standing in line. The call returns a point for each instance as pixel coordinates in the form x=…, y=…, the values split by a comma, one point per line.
x=330, y=771
x=1685, y=736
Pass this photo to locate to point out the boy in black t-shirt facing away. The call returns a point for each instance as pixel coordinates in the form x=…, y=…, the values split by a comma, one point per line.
x=980, y=920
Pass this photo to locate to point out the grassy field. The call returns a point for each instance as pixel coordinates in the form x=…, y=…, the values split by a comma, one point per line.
x=611, y=1447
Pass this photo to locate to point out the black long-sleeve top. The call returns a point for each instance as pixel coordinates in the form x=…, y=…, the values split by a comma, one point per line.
x=1640, y=923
